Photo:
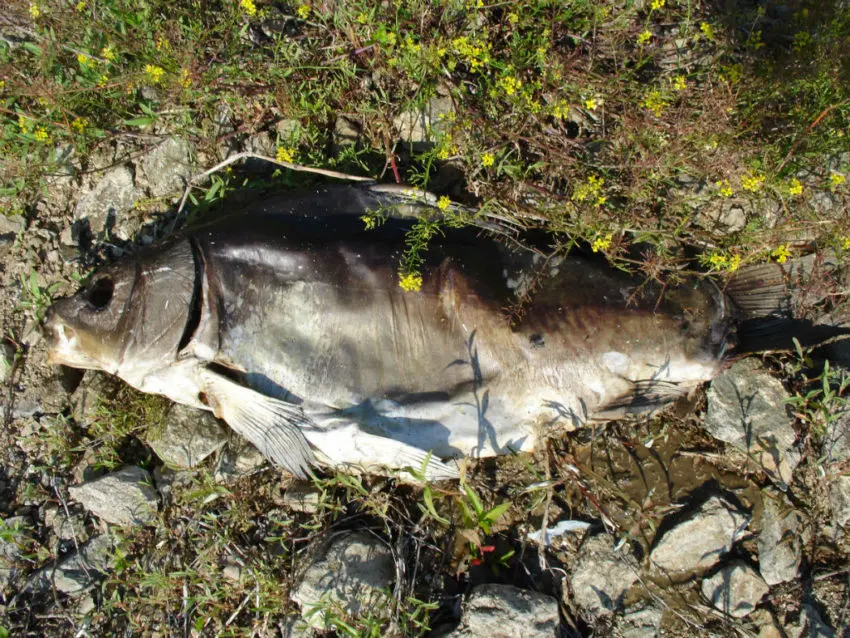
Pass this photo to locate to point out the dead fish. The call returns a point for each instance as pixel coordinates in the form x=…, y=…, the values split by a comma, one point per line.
x=288, y=322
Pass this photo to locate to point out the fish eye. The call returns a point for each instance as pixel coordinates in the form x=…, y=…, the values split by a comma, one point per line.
x=100, y=292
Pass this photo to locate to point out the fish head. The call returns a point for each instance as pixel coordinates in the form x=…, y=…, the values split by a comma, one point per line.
x=131, y=317
x=88, y=329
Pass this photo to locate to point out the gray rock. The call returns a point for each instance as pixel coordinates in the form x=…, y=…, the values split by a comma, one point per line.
x=839, y=500
x=641, y=623
x=301, y=498
x=12, y=548
x=735, y=589
x=417, y=125
x=77, y=573
x=347, y=129
x=816, y=626
x=723, y=216
x=699, y=541
x=188, y=437
x=601, y=577
x=836, y=441
x=747, y=409
x=350, y=576
x=7, y=360
x=124, y=497
x=781, y=540
x=505, y=611
x=237, y=459
x=294, y=627
x=93, y=391
x=112, y=196
x=66, y=528
x=12, y=225
x=168, y=168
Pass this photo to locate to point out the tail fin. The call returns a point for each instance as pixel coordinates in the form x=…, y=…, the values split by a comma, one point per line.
x=770, y=302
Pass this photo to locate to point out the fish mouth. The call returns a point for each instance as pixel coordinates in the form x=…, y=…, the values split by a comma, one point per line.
x=63, y=347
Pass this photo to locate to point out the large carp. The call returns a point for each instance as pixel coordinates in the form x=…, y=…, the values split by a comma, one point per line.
x=289, y=323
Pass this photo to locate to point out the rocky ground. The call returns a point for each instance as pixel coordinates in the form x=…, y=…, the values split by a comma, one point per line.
x=729, y=515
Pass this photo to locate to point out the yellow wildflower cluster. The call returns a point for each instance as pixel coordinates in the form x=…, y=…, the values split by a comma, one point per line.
x=513, y=18
x=79, y=124
x=658, y=4
x=781, y=253
x=655, y=102
x=680, y=83
x=446, y=149
x=590, y=104
x=707, y=30
x=721, y=261
x=248, y=7
x=2, y=84
x=724, y=188
x=185, y=78
x=41, y=134
x=590, y=190
x=410, y=282
x=35, y=11
x=795, y=187
x=285, y=154
x=602, y=242
x=108, y=53
x=509, y=84
x=845, y=242
x=303, y=11
x=25, y=124
x=487, y=160
x=80, y=6
x=644, y=37
x=154, y=73
x=84, y=61
x=836, y=179
x=752, y=182
x=443, y=203
x=560, y=109
x=475, y=54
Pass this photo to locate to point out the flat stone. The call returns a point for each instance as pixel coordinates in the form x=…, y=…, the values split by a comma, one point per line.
x=836, y=440
x=420, y=124
x=747, y=408
x=723, y=216
x=698, y=542
x=66, y=528
x=237, y=459
x=124, y=497
x=640, y=623
x=76, y=573
x=735, y=589
x=505, y=611
x=168, y=168
x=349, y=576
x=781, y=540
x=188, y=437
x=601, y=577
x=301, y=498
x=93, y=391
x=839, y=500
x=112, y=197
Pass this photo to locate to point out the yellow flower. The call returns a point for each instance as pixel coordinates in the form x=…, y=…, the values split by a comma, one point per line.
x=509, y=84
x=591, y=189
x=2, y=84
x=84, y=60
x=724, y=188
x=80, y=7
x=154, y=73
x=602, y=242
x=781, y=254
x=644, y=37
x=303, y=11
x=248, y=7
x=410, y=282
x=590, y=104
x=79, y=124
x=734, y=263
x=795, y=187
x=513, y=18
x=35, y=11
x=107, y=53
x=836, y=179
x=658, y=4
x=752, y=183
x=102, y=80
x=41, y=134
x=680, y=83
x=162, y=44
x=25, y=124
x=443, y=203
x=285, y=154
x=655, y=102
x=185, y=78
x=487, y=160
x=718, y=260
x=845, y=244
x=707, y=31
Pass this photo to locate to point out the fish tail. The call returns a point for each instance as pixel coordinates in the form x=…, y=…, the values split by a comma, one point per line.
x=775, y=304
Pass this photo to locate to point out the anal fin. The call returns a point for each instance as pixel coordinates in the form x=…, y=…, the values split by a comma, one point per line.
x=273, y=426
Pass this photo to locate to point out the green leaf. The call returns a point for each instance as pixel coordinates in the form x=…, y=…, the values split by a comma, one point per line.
x=497, y=512
x=141, y=122
x=429, y=505
x=474, y=500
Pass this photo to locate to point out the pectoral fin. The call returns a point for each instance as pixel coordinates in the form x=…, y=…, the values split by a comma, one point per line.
x=349, y=445
x=273, y=426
